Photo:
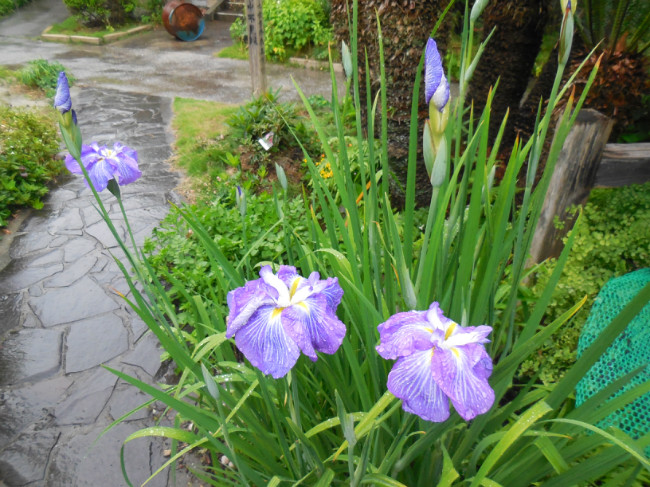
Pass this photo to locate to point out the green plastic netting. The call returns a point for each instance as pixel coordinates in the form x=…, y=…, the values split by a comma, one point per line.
x=629, y=351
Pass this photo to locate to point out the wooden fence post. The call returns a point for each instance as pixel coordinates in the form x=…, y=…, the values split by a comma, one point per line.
x=256, y=45
x=572, y=180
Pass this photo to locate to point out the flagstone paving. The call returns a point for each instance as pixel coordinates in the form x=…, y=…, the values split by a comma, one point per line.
x=60, y=300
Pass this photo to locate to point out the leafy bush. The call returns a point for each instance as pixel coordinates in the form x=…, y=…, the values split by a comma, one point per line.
x=290, y=25
x=28, y=144
x=263, y=115
x=612, y=239
x=175, y=251
x=238, y=31
x=102, y=13
x=8, y=6
x=43, y=74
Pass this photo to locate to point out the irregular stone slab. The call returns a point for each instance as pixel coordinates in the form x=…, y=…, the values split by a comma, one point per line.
x=58, y=241
x=88, y=397
x=95, y=341
x=125, y=399
x=72, y=273
x=24, y=460
x=35, y=290
x=31, y=242
x=146, y=355
x=103, y=234
x=30, y=355
x=54, y=257
x=90, y=215
x=86, y=463
x=67, y=223
x=77, y=248
x=30, y=404
x=60, y=195
x=19, y=274
x=81, y=300
x=9, y=311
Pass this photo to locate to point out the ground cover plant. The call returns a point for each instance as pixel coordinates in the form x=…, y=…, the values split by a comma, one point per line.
x=611, y=240
x=42, y=74
x=308, y=393
x=102, y=13
x=291, y=27
x=28, y=146
x=9, y=6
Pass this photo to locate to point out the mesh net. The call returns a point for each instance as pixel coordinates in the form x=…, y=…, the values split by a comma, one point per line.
x=629, y=351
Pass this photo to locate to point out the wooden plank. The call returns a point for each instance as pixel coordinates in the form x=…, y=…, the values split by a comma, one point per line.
x=624, y=164
x=571, y=182
x=256, y=46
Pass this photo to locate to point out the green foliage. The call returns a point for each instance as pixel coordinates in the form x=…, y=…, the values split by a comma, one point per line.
x=291, y=25
x=8, y=6
x=266, y=114
x=28, y=144
x=43, y=74
x=238, y=31
x=611, y=239
x=332, y=422
x=175, y=250
x=609, y=21
x=102, y=13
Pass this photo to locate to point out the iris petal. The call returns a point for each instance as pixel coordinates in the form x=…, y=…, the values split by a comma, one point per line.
x=62, y=100
x=265, y=343
x=324, y=331
x=403, y=334
x=468, y=334
x=329, y=287
x=433, y=71
x=243, y=302
x=411, y=380
x=126, y=164
x=453, y=370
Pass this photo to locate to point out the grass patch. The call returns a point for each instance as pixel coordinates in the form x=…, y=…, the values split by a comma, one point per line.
x=197, y=122
x=236, y=51
x=239, y=50
x=71, y=26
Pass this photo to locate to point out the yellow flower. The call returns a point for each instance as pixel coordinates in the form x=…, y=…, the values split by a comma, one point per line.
x=326, y=171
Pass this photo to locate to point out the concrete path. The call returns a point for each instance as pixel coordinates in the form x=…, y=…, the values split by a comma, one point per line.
x=60, y=314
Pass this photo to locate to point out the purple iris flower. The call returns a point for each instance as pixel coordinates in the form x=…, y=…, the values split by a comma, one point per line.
x=276, y=317
x=437, y=360
x=103, y=164
x=62, y=100
x=436, y=86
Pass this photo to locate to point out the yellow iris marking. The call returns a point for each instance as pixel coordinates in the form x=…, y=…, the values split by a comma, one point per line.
x=303, y=305
x=455, y=352
x=450, y=330
x=294, y=287
x=276, y=312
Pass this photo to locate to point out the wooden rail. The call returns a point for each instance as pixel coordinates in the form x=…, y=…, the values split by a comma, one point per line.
x=624, y=164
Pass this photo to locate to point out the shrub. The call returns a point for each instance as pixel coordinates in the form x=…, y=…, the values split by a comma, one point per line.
x=8, y=6
x=28, y=144
x=238, y=31
x=44, y=75
x=102, y=13
x=174, y=250
x=612, y=239
x=290, y=25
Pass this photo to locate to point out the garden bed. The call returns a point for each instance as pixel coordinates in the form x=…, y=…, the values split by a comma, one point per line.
x=68, y=31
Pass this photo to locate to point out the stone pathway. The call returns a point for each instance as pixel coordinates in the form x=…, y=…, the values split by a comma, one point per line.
x=63, y=317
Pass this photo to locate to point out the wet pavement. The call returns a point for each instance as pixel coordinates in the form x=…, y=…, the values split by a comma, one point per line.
x=61, y=316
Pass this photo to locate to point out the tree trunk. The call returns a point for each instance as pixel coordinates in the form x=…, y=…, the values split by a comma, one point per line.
x=406, y=25
x=509, y=57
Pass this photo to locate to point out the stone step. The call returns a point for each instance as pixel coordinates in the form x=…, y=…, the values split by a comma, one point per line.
x=231, y=10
